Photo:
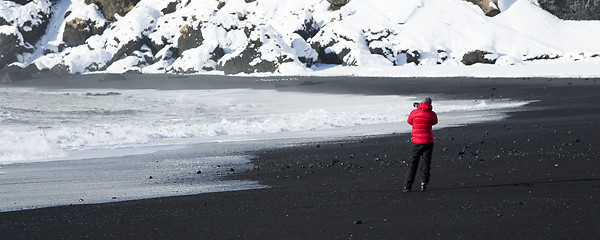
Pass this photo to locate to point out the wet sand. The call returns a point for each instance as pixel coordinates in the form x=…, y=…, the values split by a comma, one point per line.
x=534, y=175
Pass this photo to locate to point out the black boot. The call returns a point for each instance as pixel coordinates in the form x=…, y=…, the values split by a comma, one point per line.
x=406, y=189
x=423, y=187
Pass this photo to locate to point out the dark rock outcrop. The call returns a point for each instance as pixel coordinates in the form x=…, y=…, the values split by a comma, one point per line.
x=543, y=57
x=408, y=56
x=215, y=55
x=190, y=37
x=220, y=5
x=489, y=7
x=79, y=30
x=241, y=63
x=32, y=32
x=171, y=8
x=249, y=61
x=170, y=53
x=10, y=46
x=61, y=69
x=309, y=29
x=110, y=7
x=477, y=56
x=573, y=9
x=337, y=4
x=413, y=57
x=128, y=49
x=156, y=46
x=383, y=51
x=329, y=56
x=379, y=44
x=324, y=47
x=34, y=28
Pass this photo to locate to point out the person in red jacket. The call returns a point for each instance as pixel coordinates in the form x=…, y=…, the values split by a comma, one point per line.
x=422, y=119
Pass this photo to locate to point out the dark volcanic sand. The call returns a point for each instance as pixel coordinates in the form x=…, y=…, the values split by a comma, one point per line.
x=534, y=175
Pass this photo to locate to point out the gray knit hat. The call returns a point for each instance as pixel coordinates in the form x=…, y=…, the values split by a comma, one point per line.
x=428, y=100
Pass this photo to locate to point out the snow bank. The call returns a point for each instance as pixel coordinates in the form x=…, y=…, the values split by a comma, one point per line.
x=292, y=36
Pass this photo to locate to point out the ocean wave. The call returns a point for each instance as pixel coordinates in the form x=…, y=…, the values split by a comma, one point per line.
x=10, y=115
x=50, y=125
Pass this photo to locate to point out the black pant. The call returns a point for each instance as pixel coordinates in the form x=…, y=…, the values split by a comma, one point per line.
x=418, y=151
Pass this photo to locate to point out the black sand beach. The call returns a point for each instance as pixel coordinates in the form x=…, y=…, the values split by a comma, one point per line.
x=533, y=175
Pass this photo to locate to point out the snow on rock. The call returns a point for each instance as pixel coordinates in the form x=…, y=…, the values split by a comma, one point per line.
x=241, y=36
x=337, y=4
x=489, y=7
x=265, y=51
x=116, y=42
x=191, y=37
x=78, y=30
x=82, y=21
x=11, y=43
x=306, y=54
x=30, y=18
x=113, y=9
x=479, y=56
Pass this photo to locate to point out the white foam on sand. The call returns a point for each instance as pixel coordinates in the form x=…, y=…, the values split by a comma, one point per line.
x=117, y=179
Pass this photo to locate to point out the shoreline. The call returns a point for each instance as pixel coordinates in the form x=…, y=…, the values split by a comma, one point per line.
x=532, y=175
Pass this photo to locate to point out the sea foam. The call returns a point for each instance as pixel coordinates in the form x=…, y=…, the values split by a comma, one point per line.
x=43, y=125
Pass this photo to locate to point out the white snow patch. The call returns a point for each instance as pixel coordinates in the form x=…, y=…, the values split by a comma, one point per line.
x=12, y=30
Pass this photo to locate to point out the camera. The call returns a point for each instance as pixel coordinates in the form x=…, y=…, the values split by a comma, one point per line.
x=415, y=104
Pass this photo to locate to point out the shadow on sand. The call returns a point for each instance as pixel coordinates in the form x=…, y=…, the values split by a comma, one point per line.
x=527, y=184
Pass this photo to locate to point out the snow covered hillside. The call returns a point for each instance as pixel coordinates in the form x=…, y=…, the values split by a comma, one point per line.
x=272, y=36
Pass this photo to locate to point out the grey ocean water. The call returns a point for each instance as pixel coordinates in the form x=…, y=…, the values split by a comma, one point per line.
x=100, y=138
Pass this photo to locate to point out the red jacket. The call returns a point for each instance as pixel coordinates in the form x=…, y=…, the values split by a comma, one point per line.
x=422, y=119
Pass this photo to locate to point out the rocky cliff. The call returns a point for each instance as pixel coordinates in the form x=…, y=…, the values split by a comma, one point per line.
x=242, y=36
x=573, y=9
